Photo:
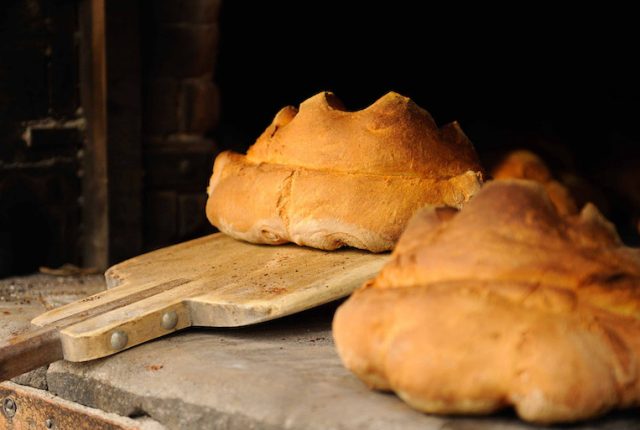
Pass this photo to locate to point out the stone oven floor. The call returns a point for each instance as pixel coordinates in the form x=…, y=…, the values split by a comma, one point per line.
x=276, y=375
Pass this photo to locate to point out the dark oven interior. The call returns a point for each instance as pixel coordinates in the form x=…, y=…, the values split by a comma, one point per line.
x=112, y=111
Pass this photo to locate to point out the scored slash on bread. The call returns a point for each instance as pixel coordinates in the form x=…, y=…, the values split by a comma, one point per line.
x=508, y=302
x=324, y=177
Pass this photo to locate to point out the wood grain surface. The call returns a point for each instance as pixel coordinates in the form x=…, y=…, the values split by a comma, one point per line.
x=213, y=281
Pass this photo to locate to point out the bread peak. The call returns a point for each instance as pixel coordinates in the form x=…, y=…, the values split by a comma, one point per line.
x=323, y=177
x=507, y=302
x=393, y=136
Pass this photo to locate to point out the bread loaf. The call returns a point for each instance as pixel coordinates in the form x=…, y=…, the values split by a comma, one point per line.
x=523, y=164
x=324, y=177
x=507, y=302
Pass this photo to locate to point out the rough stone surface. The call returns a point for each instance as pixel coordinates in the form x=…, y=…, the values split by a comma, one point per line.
x=181, y=108
x=36, y=378
x=161, y=106
x=178, y=161
x=159, y=229
x=279, y=375
x=200, y=105
x=191, y=217
x=283, y=374
x=186, y=106
x=184, y=50
x=23, y=298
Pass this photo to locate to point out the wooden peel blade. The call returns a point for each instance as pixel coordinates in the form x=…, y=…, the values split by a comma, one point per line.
x=40, y=346
x=214, y=281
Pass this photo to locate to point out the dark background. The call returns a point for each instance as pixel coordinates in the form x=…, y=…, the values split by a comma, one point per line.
x=562, y=83
x=567, y=74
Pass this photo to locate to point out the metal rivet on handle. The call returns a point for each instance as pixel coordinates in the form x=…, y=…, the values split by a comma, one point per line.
x=119, y=339
x=169, y=320
x=9, y=407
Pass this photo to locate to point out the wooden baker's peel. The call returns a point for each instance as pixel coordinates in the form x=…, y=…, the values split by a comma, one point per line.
x=214, y=281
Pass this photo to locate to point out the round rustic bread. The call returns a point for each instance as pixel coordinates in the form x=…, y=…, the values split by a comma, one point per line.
x=507, y=302
x=523, y=164
x=324, y=177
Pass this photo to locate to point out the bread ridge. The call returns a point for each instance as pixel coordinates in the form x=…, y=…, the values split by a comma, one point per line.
x=524, y=164
x=359, y=216
x=324, y=177
x=393, y=136
x=508, y=302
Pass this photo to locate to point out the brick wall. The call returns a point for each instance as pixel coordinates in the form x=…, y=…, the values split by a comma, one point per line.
x=181, y=107
x=42, y=126
x=41, y=133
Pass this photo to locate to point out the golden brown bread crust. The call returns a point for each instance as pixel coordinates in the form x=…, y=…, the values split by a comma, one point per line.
x=326, y=178
x=523, y=164
x=505, y=303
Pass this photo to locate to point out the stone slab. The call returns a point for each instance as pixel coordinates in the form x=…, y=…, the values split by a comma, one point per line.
x=25, y=297
x=284, y=374
x=279, y=375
